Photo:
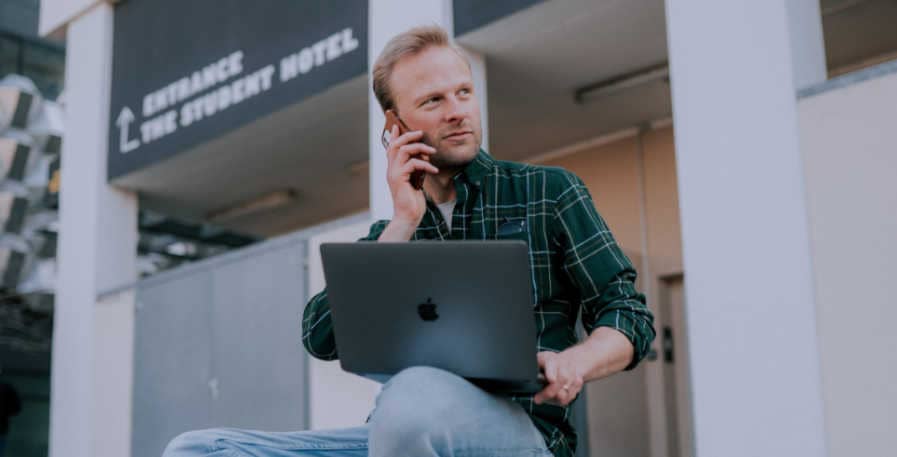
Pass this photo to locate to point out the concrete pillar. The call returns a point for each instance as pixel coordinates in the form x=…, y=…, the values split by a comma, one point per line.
x=91, y=371
x=750, y=309
x=478, y=68
x=807, y=43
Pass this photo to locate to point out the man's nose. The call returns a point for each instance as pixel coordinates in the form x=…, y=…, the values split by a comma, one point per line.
x=456, y=110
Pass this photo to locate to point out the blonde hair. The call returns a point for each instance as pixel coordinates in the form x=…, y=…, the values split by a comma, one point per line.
x=409, y=43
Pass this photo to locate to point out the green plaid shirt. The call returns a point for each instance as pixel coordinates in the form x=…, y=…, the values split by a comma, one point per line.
x=577, y=266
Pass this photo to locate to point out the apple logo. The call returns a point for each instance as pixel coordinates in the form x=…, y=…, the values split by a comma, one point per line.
x=427, y=310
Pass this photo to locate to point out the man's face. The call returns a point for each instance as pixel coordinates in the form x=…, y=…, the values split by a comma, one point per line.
x=433, y=92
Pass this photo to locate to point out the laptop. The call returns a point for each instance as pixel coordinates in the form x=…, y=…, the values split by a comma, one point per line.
x=462, y=306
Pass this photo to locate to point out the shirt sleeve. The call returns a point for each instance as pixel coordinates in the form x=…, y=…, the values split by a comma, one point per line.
x=317, y=326
x=598, y=268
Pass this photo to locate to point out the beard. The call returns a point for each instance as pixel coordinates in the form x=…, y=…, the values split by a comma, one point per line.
x=454, y=156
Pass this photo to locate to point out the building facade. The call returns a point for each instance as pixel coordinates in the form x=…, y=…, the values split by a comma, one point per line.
x=740, y=151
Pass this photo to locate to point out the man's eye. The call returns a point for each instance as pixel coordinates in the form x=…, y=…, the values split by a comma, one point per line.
x=431, y=100
x=464, y=91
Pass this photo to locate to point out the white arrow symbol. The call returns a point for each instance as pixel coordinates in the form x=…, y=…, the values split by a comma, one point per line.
x=124, y=120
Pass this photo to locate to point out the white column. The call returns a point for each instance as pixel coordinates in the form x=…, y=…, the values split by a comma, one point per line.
x=478, y=68
x=807, y=43
x=750, y=307
x=91, y=372
x=387, y=18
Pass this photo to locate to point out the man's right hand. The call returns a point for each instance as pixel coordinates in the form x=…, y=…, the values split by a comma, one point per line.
x=405, y=155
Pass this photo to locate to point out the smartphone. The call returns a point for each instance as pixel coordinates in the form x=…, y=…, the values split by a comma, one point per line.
x=417, y=178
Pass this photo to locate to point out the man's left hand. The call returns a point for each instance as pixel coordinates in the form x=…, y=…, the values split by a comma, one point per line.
x=564, y=377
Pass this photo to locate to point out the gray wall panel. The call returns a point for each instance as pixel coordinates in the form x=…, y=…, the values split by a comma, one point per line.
x=172, y=361
x=233, y=319
x=257, y=351
x=218, y=344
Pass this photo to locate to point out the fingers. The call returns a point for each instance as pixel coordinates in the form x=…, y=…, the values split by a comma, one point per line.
x=570, y=386
x=404, y=154
x=563, y=381
x=549, y=393
x=542, y=396
x=549, y=367
x=396, y=141
x=417, y=164
x=557, y=394
x=417, y=150
x=542, y=358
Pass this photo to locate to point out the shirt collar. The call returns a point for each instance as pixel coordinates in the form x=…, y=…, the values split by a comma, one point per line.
x=474, y=172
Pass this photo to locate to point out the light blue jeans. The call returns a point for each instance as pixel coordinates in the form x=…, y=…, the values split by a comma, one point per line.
x=420, y=412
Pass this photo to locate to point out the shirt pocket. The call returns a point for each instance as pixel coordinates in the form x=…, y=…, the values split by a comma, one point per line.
x=513, y=229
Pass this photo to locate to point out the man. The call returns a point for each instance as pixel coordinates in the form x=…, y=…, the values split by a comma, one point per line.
x=576, y=266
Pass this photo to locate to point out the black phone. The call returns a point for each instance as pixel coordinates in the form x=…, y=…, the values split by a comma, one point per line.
x=417, y=178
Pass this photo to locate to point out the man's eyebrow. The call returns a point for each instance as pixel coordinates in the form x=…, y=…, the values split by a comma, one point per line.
x=427, y=96
x=434, y=92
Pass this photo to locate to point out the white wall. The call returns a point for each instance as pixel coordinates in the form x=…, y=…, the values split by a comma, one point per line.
x=849, y=150
x=56, y=14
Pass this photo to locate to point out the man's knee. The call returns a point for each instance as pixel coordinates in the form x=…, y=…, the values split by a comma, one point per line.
x=424, y=379
x=414, y=404
x=421, y=388
x=192, y=444
x=403, y=427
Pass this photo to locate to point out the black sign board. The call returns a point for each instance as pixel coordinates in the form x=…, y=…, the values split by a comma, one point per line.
x=470, y=15
x=185, y=72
